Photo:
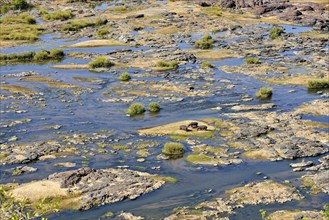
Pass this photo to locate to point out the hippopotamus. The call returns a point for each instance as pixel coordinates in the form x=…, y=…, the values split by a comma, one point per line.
x=183, y=127
x=193, y=124
x=202, y=128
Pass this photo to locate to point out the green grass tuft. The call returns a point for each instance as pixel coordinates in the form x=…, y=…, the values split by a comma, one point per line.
x=264, y=93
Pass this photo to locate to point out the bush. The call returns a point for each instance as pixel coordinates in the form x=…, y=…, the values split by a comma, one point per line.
x=23, y=18
x=20, y=4
x=168, y=65
x=205, y=43
x=206, y=65
x=102, y=33
x=41, y=55
x=173, y=148
x=276, y=32
x=264, y=93
x=318, y=84
x=101, y=62
x=252, y=60
x=58, y=15
x=124, y=77
x=56, y=54
x=154, y=107
x=135, y=109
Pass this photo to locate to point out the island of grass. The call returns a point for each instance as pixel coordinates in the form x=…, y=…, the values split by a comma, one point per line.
x=36, y=57
x=18, y=29
x=173, y=130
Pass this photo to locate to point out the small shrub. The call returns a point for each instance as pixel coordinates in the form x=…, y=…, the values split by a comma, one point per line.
x=4, y=9
x=100, y=62
x=102, y=33
x=205, y=43
x=206, y=65
x=173, y=148
x=252, y=60
x=58, y=15
x=168, y=65
x=276, y=32
x=56, y=54
x=135, y=109
x=124, y=77
x=20, y=4
x=154, y=107
x=41, y=55
x=318, y=84
x=264, y=93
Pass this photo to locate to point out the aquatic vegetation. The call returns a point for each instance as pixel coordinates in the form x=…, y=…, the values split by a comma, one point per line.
x=205, y=43
x=252, y=60
x=206, y=65
x=78, y=24
x=57, y=15
x=264, y=93
x=173, y=149
x=167, y=65
x=20, y=27
x=102, y=33
x=124, y=77
x=100, y=62
x=276, y=32
x=135, y=109
x=154, y=107
x=43, y=55
x=318, y=84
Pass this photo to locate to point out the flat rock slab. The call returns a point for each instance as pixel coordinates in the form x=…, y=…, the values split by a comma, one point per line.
x=262, y=193
x=30, y=152
x=90, y=187
x=296, y=214
x=318, y=182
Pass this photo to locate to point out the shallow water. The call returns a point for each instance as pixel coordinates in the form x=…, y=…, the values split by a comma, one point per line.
x=87, y=114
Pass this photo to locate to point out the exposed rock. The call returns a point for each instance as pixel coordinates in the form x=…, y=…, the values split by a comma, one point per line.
x=23, y=169
x=90, y=187
x=318, y=182
x=262, y=193
x=296, y=214
x=26, y=153
x=129, y=216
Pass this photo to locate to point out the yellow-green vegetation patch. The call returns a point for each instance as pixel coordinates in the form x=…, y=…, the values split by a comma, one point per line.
x=315, y=34
x=17, y=89
x=261, y=154
x=202, y=159
x=97, y=43
x=17, y=29
x=71, y=66
x=226, y=129
x=3, y=156
x=57, y=15
x=46, y=196
x=167, y=179
x=50, y=82
x=316, y=124
x=124, y=148
x=167, y=30
x=162, y=65
x=86, y=79
x=173, y=129
x=299, y=80
x=215, y=54
x=78, y=24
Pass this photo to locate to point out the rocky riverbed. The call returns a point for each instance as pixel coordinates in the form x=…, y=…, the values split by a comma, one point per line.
x=238, y=88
